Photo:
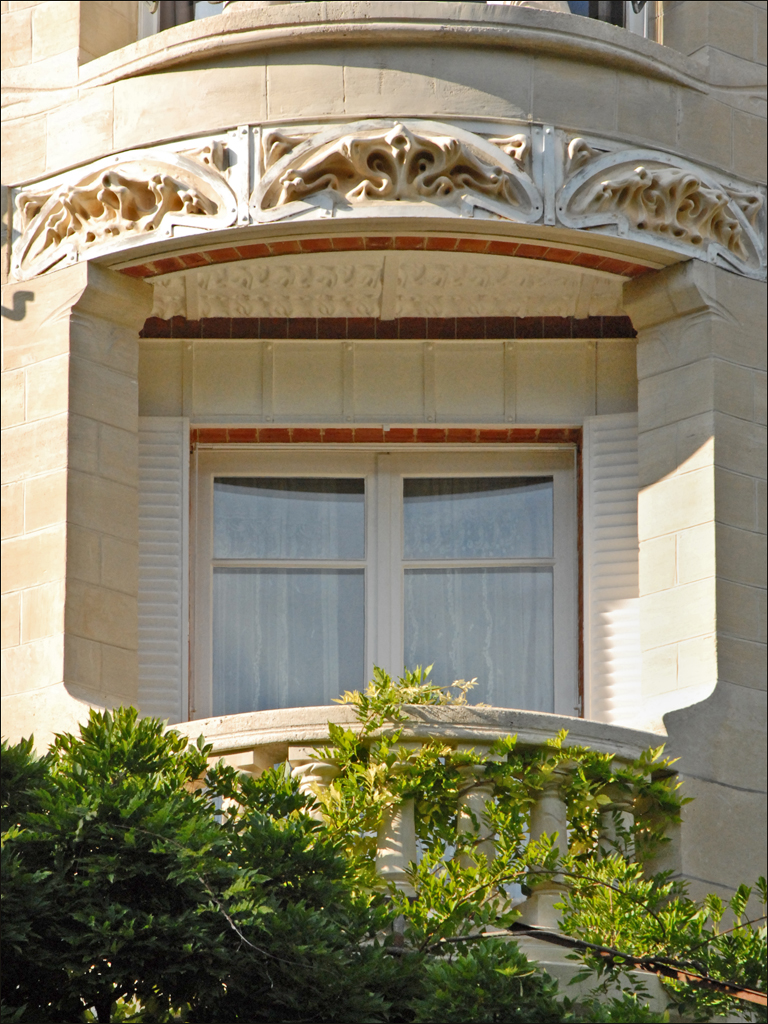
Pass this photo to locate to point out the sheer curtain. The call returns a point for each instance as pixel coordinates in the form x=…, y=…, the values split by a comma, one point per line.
x=492, y=622
x=286, y=638
x=287, y=635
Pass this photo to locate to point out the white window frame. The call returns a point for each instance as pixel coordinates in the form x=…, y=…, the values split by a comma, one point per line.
x=383, y=470
x=149, y=19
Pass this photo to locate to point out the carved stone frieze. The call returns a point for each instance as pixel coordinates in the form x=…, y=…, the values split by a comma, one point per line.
x=387, y=285
x=410, y=162
x=287, y=286
x=385, y=169
x=118, y=201
x=276, y=144
x=663, y=200
x=170, y=296
x=497, y=286
x=671, y=201
x=517, y=146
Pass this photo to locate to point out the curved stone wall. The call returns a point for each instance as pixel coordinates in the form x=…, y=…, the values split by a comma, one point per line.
x=349, y=61
x=516, y=122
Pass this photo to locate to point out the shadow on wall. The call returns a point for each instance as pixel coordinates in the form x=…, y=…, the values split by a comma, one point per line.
x=19, y=309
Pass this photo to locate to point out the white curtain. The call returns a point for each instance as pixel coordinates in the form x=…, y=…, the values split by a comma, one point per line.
x=294, y=635
x=482, y=517
x=288, y=518
x=492, y=624
x=286, y=637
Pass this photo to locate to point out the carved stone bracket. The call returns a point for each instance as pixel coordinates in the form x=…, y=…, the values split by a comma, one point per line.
x=444, y=169
x=663, y=200
x=118, y=201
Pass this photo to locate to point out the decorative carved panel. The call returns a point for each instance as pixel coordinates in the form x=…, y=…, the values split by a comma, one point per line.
x=451, y=285
x=414, y=162
x=661, y=200
x=119, y=201
x=288, y=286
x=170, y=296
x=424, y=171
x=407, y=283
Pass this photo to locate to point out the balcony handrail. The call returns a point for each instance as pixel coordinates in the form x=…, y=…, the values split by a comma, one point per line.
x=255, y=741
x=271, y=732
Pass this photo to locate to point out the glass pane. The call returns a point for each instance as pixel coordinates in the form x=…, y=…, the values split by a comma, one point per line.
x=493, y=624
x=497, y=517
x=283, y=638
x=288, y=517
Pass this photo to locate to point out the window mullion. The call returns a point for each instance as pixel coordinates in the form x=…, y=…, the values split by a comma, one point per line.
x=386, y=584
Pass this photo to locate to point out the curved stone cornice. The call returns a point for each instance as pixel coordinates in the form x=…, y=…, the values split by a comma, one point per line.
x=373, y=162
x=425, y=172
x=121, y=200
x=647, y=194
x=379, y=23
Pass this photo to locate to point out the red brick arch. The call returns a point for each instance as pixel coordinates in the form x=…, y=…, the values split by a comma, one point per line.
x=437, y=243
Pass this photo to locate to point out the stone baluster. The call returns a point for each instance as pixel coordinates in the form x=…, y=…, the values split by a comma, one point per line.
x=548, y=815
x=396, y=840
x=474, y=797
x=616, y=819
x=396, y=845
x=313, y=774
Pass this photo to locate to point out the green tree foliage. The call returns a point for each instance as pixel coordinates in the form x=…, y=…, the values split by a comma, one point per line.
x=141, y=884
x=125, y=889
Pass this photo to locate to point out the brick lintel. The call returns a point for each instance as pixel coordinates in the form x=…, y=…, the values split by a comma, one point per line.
x=361, y=328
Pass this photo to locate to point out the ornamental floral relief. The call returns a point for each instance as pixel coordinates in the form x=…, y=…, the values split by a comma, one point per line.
x=671, y=201
x=287, y=287
x=169, y=296
x=451, y=285
x=410, y=162
x=654, y=195
x=118, y=201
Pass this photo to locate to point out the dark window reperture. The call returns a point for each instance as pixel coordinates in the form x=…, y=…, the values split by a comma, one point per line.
x=611, y=11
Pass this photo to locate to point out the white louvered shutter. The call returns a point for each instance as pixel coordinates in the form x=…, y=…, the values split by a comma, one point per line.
x=163, y=557
x=612, y=657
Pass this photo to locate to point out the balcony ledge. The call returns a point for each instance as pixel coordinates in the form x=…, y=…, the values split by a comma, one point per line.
x=272, y=732
x=379, y=23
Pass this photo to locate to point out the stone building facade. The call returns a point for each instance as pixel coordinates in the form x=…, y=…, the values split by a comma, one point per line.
x=416, y=252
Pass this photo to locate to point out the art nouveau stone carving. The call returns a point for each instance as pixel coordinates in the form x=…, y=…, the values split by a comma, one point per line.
x=378, y=168
x=673, y=202
x=516, y=146
x=290, y=287
x=118, y=201
x=670, y=201
x=276, y=144
x=497, y=286
x=579, y=153
x=212, y=154
x=411, y=162
x=749, y=203
x=350, y=285
x=170, y=296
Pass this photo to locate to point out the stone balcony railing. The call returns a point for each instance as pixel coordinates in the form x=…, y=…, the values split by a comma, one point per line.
x=255, y=741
